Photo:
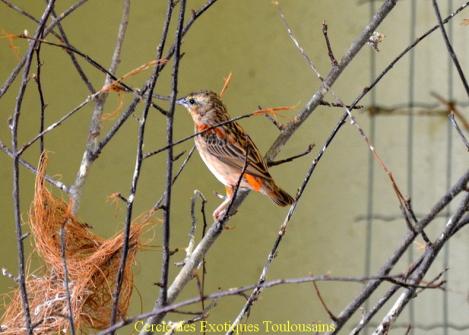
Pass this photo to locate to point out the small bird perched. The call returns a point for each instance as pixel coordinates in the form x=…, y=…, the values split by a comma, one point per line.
x=226, y=149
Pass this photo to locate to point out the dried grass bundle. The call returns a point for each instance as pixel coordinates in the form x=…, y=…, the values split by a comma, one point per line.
x=92, y=263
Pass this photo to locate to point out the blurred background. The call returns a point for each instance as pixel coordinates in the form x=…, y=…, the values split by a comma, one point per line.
x=348, y=222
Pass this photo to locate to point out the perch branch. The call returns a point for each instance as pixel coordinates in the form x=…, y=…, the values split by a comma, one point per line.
x=186, y=272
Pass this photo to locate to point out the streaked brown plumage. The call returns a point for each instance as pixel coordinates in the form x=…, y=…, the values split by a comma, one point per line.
x=224, y=148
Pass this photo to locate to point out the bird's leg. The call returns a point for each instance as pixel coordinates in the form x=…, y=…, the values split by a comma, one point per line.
x=219, y=212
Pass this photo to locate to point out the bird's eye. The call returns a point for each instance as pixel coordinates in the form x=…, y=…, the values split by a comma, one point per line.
x=192, y=101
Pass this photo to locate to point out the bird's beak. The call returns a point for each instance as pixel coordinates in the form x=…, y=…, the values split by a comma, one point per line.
x=182, y=102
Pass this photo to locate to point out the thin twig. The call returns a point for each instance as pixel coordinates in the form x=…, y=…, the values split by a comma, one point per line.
x=427, y=260
x=63, y=37
x=461, y=134
x=239, y=291
x=323, y=303
x=339, y=105
x=255, y=294
x=159, y=204
x=353, y=120
x=428, y=326
x=186, y=273
x=63, y=248
x=14, y=124
x=162, y=299
x=190, y=246
x=183, y=164
x=372, y=285
x=58, y=184
x=328, y=44
x=42, y=104
x=56, y=124
x=8, y=274
x=291, y=158
x=450, y=48
x=143, y=91
x=96, y=116
x=137, y=170
x=189, y=137
x=15, y=72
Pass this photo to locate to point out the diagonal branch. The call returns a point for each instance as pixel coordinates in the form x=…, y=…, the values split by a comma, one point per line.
x=427, y=260
x=185, y=274
x=100, y=100
x=15, y=72
x=450, y=48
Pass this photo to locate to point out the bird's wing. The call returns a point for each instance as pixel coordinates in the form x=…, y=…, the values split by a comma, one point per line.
x=230, y=143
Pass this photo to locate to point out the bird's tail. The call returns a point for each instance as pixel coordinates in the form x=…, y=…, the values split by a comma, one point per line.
x=279, y=196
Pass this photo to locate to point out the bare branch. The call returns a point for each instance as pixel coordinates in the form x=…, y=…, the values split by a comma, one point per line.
x=239, y=291
x=137, y=169
x=372, y=285
x=461, y=134
x=96, y=116
x=292, y=158
x=63, y=247
x=186, y=273
x=427, y=260
x=328, y=44
x=15, y=72
x=162, y=300
x=14, y=124
x=450, y=48
x=58, y=184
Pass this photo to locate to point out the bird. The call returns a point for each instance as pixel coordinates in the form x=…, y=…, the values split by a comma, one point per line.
x=227, y=150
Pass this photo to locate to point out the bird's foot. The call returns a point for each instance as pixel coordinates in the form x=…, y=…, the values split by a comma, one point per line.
x=220, y=212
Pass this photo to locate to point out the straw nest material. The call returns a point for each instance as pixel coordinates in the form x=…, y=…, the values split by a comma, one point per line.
x=93, y=264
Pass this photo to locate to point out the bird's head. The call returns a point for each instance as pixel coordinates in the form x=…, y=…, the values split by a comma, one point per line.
x=205, y=107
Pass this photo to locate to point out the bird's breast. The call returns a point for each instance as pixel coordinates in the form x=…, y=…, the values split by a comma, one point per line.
x=225, y=173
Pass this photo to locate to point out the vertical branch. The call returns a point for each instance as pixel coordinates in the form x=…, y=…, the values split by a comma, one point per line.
x=137, y=169
x=63, y=249
x=14, y=124
x=37, y=79
x=169, y=161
